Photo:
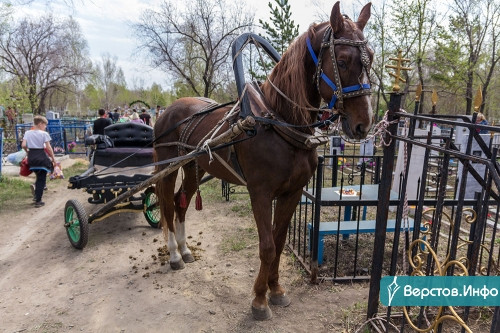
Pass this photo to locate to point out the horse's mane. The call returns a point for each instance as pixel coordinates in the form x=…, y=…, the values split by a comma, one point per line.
x=295, y=80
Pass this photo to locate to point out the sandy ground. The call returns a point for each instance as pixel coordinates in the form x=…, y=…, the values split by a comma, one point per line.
x=117, y=283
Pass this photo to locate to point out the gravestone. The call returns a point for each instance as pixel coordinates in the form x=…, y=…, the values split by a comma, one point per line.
x=336, y=146
x=52, y=115
x=472, y=186
x=27, y=118
x=367, y=149
x=416, y=162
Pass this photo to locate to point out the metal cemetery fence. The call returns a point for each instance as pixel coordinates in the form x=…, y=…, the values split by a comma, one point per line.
x=68, y=136
x=353, y=222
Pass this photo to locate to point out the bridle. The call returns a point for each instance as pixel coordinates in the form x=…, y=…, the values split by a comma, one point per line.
x=339, y=93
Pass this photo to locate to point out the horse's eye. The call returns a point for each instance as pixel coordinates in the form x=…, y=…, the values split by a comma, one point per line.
x=341, y=64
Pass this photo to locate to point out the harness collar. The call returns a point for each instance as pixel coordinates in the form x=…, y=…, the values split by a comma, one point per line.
x=339, y=93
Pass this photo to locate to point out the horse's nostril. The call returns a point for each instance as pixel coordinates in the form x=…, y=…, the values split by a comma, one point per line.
x=360, y=130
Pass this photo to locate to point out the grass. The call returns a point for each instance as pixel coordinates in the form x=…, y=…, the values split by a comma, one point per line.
x=242, y=239
x=15, y=191
x=76, y=169
x=211, y=191
x=353, y=315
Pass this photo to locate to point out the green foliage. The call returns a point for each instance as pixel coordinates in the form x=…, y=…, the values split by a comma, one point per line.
x=93, y=97
x=450, y=65
x=156, y=95
x=140, y=103
x=280, y=31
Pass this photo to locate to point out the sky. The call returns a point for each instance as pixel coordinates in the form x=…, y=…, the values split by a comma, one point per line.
x=106, y=27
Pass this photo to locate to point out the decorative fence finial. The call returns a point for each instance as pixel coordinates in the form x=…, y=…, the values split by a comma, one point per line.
x=418, y=92
x=398, y=67
x=478, y=100
x=434, y=97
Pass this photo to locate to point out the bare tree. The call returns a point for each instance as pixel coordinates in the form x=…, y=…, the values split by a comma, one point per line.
x=494, y=56
x=462, y=46
x=44, y=55
x=376, y=33
x=193, y=44
x=111, y=77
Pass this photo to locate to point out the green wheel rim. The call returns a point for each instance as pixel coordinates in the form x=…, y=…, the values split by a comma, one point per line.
x=74, y=224
x=152, y=214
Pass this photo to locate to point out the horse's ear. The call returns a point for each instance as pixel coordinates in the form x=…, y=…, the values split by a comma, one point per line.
x=336, y=19
x=364, y=16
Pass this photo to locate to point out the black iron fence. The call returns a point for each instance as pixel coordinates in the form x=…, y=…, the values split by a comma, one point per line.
x=428, y=206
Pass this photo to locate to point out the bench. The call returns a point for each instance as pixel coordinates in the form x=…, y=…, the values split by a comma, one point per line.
x=123, y=145
x=347, y=228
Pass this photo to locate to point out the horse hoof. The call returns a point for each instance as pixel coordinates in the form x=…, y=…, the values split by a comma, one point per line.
x=187, y=258
x=262, y=314
x=281, y=300
x=177, y=265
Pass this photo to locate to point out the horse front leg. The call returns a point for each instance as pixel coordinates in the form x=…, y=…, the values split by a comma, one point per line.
x=283, y=213
x=262, y=210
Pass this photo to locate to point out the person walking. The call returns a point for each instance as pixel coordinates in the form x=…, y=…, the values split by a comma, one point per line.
x=145, y=116
x=101, y=122
x=36, y=142
x=116, y=116
x=134, y=118
x=11, y=116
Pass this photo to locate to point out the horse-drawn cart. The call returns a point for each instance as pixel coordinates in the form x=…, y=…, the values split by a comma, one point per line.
x=119, y=160
x=121, y=175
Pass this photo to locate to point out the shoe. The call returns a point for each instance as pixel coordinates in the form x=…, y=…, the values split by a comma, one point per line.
x=45, y=188
x=39, y=204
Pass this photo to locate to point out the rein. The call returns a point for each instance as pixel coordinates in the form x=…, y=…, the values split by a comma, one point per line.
x=339, y=93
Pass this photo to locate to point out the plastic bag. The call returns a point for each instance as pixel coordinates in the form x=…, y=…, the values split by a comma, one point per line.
x=17, y=157
x=57, y=173
x=25, y=168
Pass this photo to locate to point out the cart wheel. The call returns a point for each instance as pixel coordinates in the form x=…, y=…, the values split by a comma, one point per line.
x=76, y=223
x=151, y=209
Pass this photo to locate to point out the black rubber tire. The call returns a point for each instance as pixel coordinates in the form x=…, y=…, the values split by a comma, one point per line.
x=151, y=209
x=76, y=224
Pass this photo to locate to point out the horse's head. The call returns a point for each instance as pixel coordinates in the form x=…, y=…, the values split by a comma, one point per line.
x=343, y=62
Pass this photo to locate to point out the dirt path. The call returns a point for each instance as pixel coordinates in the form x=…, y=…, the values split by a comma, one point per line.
x=117, y=283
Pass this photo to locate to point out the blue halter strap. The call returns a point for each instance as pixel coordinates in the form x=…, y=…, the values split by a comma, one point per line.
x=339, y=93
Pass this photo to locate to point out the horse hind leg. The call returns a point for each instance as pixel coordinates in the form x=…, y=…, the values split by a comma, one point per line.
x=189, y=186
x=165, y=193
x=180, y=237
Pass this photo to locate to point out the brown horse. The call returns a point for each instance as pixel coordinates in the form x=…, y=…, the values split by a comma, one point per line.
x=330, y=62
